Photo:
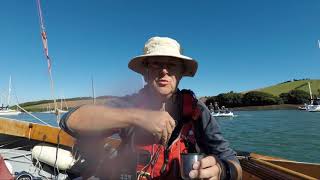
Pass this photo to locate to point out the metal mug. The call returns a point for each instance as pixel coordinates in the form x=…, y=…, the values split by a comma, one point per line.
x=186, y=162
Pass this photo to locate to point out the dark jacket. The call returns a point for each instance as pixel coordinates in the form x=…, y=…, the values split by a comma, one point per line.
x=208, y=136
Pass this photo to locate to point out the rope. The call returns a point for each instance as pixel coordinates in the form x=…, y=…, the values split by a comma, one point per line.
x=153, y=159
x=34, y=116
x=57, y=152
x=10, y=152
x=38, y=166
x=15, y=94
x=51, y=80
x=46, y=52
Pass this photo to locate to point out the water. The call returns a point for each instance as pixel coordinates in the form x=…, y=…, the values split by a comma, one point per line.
x=290, y=134
x=46, y=117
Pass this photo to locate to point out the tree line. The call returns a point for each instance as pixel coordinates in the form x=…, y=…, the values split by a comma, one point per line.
x=258, y=98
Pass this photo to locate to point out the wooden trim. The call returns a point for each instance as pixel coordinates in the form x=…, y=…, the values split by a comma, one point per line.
x=43, y=133
x=35, y=131
x=285, y=170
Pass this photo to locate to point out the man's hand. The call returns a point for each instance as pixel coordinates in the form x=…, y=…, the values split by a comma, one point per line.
x=206, y=168
x=158, y=123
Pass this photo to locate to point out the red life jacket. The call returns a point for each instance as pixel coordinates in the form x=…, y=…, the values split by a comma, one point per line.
x=164, y=161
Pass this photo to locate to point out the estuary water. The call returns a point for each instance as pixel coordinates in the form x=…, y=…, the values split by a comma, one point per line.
x=290, y=134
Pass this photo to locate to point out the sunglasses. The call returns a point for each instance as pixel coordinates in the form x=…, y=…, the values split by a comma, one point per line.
x=164, y=64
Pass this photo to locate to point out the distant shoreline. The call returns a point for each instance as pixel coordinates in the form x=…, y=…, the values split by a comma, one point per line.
x=269, y=107
x=74, y=103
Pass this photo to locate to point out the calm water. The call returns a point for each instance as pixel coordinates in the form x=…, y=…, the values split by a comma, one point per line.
x=289, y=134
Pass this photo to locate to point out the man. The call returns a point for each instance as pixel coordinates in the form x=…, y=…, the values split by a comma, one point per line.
x=151, y=123
x=210, y=107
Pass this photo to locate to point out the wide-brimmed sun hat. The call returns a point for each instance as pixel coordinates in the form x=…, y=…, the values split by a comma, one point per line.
x=163, y=47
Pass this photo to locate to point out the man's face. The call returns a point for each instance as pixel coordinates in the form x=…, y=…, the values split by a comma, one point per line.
x=164, y=75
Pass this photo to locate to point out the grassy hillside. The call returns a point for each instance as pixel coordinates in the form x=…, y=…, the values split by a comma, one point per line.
x=70, y=104
x=45, y=105
x=293, y=85
x=275, y=90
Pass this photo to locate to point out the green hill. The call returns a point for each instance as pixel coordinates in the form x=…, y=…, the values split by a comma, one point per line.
x=275, y=90
x=293, y=85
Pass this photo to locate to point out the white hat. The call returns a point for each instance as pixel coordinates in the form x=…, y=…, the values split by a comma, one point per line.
x=163, y=47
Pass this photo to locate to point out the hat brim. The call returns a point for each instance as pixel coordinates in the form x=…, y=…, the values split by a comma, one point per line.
x=191, y=65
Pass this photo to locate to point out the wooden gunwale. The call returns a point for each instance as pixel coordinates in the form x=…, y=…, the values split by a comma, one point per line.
x=34, y=131
x=42, y=133
x=298, y=170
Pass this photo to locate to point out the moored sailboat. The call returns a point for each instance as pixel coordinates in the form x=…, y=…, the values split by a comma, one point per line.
x=5, y=110
x=314, y=105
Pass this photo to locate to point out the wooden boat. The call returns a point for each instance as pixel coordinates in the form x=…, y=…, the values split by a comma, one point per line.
x=257, y=167
x=19, y=139
x=23, y=136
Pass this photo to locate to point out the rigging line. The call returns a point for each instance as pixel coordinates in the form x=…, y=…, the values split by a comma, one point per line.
x=33, y=116
x=57, y=152
x=19, y=156
x=46, y=52
x=15, y=94
x=39, y=168
x=9, y=151
x=8, y=143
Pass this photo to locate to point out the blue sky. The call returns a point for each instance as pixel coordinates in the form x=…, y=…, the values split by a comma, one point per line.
x=240, y=45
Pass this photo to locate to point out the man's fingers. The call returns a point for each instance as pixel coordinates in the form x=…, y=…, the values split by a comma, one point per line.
x=164, y=138
x=172, y=123
x=206, y=168
x=170, y=129
x=210, y=172
x=205, y=163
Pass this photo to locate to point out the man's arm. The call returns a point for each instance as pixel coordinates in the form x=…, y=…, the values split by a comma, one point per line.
x=98, y=120
x=90, y=120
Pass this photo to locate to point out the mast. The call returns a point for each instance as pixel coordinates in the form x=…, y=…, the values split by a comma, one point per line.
x=61, y=104
x=46, y=53
x=9, y=92
x=65, y=102
x=310, y=91
x=93, y=95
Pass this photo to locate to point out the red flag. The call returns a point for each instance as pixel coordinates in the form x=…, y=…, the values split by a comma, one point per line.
x=45, y=43
x=45, y=48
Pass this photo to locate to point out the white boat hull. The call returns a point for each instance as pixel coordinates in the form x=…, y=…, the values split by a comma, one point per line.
x=313, y=108
x=219, y=114
x=54, y=112
x=9, y=112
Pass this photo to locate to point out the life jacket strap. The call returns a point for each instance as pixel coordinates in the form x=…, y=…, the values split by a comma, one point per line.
x=166, y=154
